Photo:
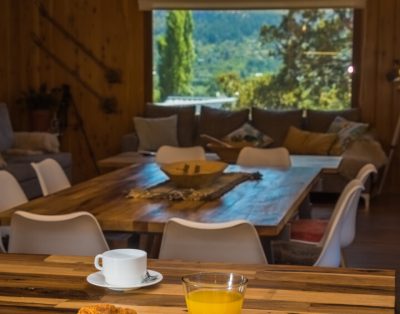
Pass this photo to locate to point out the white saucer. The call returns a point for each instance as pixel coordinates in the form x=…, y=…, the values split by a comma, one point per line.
x=97, y=279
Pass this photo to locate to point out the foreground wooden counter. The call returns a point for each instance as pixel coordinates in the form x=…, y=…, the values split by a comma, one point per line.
x=57, y=284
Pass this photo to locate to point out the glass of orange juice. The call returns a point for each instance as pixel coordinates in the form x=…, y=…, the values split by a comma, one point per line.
x=214, y=293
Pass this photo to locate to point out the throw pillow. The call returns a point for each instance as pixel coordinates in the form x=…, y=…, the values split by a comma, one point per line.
x=248, y=135
x=186, y=120
x=219, y=122
x=155, y=132
x=3, y=163
x=36, y=141
x=347, y=132
x=308, y=143
x=276, y=123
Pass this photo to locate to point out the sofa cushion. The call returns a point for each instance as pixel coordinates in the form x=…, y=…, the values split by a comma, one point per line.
x=219, y=123
x=347, y=132
x=308, y=143
x=6, y=131
x=186, y=120
x=39, y=141
x=320, y=120
x=155, y=132
x=276, y=123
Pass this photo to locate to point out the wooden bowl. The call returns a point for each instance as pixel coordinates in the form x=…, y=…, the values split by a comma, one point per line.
x=226, y=154
x=193, y=173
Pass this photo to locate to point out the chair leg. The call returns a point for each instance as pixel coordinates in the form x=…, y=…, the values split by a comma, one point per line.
x=366, y=197
x=342, y=260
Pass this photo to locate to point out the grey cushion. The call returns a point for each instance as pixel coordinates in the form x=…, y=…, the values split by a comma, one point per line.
x=186, y=120
x=320, y=120
x=276, y=123
x=219, y=123
x=6, y=131
x=155, y=132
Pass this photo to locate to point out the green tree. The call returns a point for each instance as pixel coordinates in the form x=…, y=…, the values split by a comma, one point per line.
x=176, y=55
x=315, y=47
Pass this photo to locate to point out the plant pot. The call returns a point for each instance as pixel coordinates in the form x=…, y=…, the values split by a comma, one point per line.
x=40, y=120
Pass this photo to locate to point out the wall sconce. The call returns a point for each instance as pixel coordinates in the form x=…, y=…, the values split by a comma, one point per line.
x=394, y=74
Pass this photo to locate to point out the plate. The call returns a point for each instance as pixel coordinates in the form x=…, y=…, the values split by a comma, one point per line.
x=97, y=279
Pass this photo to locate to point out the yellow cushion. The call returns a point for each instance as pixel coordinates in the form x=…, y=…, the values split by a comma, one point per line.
x=308, y=143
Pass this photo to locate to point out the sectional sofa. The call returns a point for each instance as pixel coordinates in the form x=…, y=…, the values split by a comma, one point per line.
x=275, y=124
x=19, y=149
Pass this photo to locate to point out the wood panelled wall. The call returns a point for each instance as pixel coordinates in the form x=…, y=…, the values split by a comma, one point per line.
x=114, y=31
x=380, y=99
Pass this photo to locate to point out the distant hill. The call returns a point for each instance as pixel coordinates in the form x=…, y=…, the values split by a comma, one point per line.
x=225, y=41
x=217, y=26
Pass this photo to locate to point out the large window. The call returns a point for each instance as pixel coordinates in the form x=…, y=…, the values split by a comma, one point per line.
x=265, y=58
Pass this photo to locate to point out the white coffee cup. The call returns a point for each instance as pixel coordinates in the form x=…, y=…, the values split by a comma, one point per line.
x=122, y=267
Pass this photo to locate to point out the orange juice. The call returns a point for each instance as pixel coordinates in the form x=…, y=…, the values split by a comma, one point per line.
x=214, y=302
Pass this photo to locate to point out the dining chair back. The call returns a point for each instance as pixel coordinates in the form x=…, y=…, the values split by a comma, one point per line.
x=350, y=217
x=330, y=255
x=11, y=195
x=70, y=234
x=169, y=154
x=363, y=175
x=51, y=176
x=231, y=242
x=264, y=157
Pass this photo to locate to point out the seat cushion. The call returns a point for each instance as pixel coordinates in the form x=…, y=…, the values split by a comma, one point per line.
x=276, y=123
x=186, y=120
x=64, y=159
x=310, y=230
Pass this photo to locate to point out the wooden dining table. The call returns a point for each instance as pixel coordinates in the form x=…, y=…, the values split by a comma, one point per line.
x=268, y=203
x=57, y=284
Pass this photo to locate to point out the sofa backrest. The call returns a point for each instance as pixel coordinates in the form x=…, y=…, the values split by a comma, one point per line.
x=320, y=120
x=219, y=122
x=6, y=130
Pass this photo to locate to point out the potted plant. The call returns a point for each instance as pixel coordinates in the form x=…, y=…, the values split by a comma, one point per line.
x=41, y=105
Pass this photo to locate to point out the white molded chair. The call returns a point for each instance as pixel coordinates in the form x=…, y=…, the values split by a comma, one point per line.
x=349, y=221
x=363, y=175
x=264, y=157
x=70, y=234
x=335, y=234
x=11, y=195
x=231, y=242
x=11, y=192
x=51, y=176
x=169, y=154
x=328, y=249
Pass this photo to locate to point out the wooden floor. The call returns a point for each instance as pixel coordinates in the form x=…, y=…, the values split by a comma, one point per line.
x=377, y=243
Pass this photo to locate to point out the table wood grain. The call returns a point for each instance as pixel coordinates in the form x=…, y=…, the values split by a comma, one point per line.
x=57, y=284
x=268, y=203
